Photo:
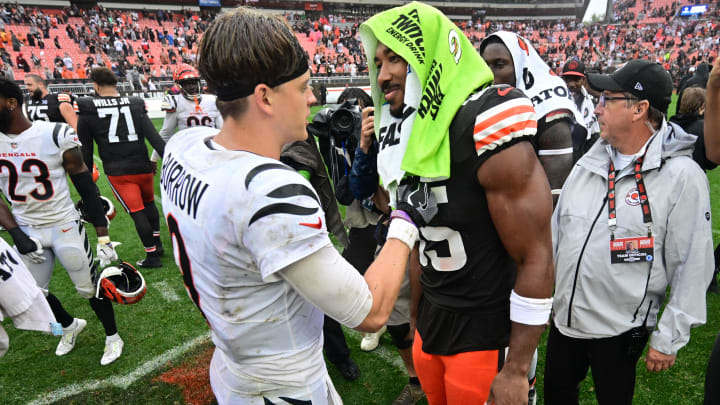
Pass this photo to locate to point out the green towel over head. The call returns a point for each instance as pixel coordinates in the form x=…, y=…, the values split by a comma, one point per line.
x=448, y=69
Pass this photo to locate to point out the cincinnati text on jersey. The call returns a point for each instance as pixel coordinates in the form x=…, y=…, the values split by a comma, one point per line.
x=19, y=154
x=182, y=188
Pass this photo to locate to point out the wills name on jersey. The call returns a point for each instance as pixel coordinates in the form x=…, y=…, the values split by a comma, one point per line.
x=119, y=126
x=189, y=113
x=47, y=108
x=467, y=273
x=32, y=175
x=237, y=218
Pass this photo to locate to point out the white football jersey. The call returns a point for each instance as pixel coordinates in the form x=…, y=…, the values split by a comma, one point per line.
x=236, y=218
x=32, y=175
x=181, y=113
x=20, y=293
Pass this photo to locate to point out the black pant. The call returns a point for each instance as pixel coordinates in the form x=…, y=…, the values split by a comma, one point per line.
x=336, y=347
x=712, y=377
x=361, y=249
x=568, y=360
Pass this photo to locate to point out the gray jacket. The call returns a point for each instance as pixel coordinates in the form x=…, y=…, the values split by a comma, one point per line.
x=595, y=299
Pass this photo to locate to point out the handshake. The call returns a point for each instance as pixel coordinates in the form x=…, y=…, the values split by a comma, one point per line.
x=416, y=207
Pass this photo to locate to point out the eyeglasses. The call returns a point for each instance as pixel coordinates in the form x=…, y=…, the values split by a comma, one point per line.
x=604, y=98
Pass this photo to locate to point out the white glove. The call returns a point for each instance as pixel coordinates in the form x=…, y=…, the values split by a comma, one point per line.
x=36, y=256
x=106, y=253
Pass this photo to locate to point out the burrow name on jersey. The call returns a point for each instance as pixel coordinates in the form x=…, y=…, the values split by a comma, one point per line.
x=182, y=188
x=110, y=102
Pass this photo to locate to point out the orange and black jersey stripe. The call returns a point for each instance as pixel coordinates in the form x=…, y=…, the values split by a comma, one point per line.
x=496, y=117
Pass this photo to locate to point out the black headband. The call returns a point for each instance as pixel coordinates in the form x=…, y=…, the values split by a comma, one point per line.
x=239, y=89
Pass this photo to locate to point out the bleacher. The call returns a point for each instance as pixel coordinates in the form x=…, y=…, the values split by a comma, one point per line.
x=545, y=39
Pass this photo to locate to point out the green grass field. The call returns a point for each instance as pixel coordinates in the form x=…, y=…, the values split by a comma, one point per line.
x=165, y=330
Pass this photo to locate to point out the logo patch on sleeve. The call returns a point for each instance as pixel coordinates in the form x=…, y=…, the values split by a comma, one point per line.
x=316, y=225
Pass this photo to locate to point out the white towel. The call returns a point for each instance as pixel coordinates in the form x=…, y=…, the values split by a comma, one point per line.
x=533, y=76
x=587, y=109
x=392, y=150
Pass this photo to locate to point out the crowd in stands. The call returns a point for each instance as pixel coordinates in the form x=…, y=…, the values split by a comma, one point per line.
x=137, y=45
x=134, y=44
x=333, y=45
x=678, y=43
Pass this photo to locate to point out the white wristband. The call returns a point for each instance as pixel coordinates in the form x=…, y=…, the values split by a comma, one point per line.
x=404, y=231
x=529, y=311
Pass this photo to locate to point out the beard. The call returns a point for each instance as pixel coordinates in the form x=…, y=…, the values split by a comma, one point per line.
x=577, y=96
x=5, y=118
x=36, y=95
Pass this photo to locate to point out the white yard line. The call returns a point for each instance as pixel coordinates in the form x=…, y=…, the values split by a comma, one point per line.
x=165, y=290
x=387, y=354
x=122, y=381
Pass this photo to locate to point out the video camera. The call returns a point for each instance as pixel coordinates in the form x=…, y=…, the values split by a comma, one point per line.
x=338, y=124
x=338, y=132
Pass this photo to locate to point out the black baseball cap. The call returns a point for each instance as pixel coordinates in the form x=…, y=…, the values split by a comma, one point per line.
x=574, y=67
x=643, y=79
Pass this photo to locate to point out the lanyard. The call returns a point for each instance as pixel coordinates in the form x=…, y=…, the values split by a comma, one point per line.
x=644, y=202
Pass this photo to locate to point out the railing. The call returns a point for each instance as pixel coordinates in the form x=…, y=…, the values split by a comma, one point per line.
x=85, y=87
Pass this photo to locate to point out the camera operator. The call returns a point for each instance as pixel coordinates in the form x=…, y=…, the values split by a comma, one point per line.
x=304, y=157
x=364, y=182
x=338, y=133
x=351, y=160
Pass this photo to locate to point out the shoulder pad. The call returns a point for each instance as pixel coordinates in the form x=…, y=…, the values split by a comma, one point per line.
x=64, y=98
x=84, y=104
x=500, y=114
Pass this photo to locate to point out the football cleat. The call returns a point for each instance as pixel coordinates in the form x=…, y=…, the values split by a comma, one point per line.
x=410, y=394
x=150, y=262
x=122, y=284
x=67, y=342
x=113, y=350
x=370, y=341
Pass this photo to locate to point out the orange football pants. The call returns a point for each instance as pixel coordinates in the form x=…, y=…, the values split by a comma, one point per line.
x=462, y=378
x=133, y=190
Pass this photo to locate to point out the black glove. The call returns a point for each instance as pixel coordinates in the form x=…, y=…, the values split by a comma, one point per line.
x=418, y=202
x=22, y=241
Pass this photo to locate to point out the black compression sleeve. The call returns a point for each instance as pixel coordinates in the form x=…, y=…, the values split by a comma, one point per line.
x=90, y=196
x=152, y=135
x=84, y=133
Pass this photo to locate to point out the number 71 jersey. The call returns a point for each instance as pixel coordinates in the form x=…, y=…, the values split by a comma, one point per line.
x=119, y=126
x=32, y=175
